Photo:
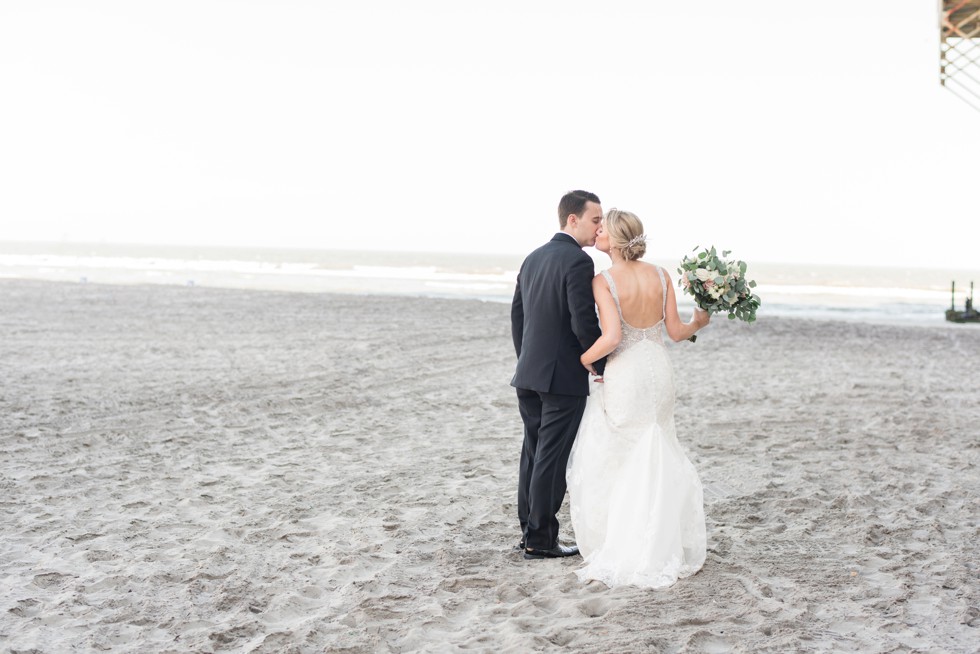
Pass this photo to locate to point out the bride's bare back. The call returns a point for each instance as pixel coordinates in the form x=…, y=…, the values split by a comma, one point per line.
x=641, y=295
x=642, y=303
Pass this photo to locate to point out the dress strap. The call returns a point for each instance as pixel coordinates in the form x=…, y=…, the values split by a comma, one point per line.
x=612, y=289
x=663, y=287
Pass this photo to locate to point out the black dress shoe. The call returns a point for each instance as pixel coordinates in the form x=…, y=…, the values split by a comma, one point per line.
x=557, y=552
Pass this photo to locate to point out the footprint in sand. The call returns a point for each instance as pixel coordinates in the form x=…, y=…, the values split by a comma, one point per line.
x=705, y=641
x=50, y=579
x=594, y=608
x=26, y=608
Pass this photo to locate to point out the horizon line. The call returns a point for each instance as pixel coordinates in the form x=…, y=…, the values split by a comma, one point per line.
x=514, y=254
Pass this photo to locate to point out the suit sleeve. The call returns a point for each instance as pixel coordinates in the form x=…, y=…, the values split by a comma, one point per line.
x=581, y=304
x=517, y=318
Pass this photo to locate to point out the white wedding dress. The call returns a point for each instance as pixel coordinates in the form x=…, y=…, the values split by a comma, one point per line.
x=636, y=501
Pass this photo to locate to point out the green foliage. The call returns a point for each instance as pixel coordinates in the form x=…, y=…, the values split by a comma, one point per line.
x=724, y=288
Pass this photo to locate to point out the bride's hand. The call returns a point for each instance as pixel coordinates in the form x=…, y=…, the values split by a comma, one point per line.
x=701, y=317
x=592, y=371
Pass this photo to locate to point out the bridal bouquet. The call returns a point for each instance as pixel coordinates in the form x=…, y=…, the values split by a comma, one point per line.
x=718, y=284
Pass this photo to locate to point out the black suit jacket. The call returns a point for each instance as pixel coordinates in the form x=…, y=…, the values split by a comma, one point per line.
x=553, y=318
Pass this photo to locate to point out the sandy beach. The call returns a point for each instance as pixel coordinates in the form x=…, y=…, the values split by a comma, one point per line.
x=188, y=469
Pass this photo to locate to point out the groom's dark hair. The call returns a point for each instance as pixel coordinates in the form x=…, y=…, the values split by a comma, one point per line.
x=573, y=202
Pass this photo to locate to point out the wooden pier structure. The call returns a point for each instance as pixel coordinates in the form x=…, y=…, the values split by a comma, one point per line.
x=959, y=49
x=969, y=313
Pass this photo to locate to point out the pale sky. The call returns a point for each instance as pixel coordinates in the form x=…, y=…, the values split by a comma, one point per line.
x=810, y=132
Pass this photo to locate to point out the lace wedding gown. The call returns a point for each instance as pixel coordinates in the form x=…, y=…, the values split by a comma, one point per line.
x=636, y=500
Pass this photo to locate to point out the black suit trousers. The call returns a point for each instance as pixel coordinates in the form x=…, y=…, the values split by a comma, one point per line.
x=550, y=424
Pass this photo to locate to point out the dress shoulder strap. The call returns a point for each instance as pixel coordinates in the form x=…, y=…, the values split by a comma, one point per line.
x=612, y=289
x=663, y=287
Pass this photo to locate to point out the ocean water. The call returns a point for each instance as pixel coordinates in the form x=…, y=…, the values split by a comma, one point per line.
x=862, y=293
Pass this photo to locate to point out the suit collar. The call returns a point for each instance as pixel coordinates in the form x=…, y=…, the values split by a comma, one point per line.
x=566, y=238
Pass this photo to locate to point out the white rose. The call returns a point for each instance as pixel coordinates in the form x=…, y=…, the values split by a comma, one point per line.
x=703, y=274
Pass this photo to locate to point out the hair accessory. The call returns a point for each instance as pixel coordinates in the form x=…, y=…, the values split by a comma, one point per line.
x=639, y=238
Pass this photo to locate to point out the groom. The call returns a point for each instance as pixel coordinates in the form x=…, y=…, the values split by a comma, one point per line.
x=553, y=321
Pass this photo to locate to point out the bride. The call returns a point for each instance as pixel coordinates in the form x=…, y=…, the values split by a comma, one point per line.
x=636, y=500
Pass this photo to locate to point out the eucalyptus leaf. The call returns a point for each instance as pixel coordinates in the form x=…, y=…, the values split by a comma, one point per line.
x=735, y=297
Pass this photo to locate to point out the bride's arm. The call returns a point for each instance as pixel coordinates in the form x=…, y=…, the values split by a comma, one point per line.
x=612, y=332
x=677, y=330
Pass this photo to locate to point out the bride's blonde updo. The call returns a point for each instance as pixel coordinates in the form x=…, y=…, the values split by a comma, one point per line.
x=626, y=234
